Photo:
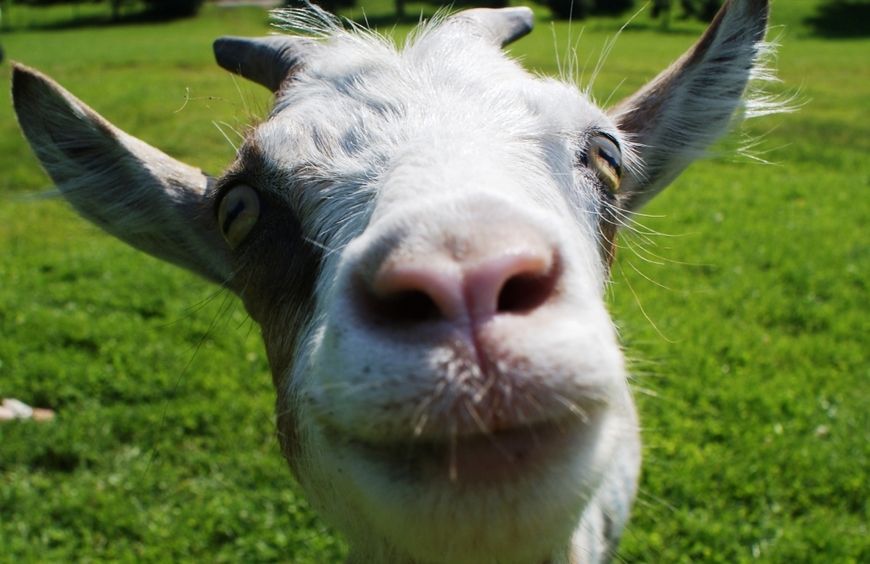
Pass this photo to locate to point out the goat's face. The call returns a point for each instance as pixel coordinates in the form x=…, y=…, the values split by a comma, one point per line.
x=455, y=358
x=424, y=237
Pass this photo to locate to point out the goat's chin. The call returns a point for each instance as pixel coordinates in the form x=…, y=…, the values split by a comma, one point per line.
x=508, y=497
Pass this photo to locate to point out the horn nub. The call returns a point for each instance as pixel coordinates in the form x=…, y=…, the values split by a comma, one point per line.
x=264, y=60
x=502, y=25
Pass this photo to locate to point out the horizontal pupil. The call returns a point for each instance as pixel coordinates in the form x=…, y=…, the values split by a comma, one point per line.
x=232, y=215
x=611, y=160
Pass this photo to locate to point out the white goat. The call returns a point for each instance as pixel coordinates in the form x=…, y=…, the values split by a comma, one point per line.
x=424, y=237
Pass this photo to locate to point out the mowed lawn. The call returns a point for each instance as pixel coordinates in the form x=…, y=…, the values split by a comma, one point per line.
x=742, y=304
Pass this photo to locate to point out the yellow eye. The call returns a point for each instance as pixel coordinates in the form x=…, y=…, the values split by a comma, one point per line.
x=238, y=212
x=605, y=158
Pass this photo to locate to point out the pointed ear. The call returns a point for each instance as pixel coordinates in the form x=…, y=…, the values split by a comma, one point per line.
x=502, y=26
x=121, y=184
x=675, y=117
x=264, y=60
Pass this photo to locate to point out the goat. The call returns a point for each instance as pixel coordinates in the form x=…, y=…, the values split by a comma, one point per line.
x=424, y=236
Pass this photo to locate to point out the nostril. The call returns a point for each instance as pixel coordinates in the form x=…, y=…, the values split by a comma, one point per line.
x=409, y=306
x=410, y=292
x=515, y=281
x=526, y=292
x=433, y=288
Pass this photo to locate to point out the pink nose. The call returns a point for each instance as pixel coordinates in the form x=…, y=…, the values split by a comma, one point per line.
x=514, y=279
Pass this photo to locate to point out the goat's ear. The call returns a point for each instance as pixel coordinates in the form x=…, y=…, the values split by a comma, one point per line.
x=264, y=60
x=675, y=117
x=502, y=26
x=118, y=182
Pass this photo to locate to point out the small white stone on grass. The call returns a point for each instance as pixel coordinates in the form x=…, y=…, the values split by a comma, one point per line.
x=12, y=408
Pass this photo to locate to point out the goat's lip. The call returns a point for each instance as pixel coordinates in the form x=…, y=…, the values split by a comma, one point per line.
x=474, y=460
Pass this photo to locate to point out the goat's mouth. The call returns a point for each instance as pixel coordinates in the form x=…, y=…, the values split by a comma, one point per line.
x=477, y=460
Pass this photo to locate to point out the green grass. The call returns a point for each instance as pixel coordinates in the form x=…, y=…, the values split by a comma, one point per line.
x=747, y=320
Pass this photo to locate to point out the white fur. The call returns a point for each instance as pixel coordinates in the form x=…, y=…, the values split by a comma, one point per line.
x=427, y=155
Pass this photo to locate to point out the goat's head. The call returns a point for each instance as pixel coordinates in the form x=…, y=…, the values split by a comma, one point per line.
x=424, y=236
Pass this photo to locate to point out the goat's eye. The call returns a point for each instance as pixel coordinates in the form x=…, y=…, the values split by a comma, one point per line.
x=605, y=158
x=238, y=212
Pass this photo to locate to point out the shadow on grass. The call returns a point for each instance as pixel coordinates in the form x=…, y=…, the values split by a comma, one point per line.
x=94, y=21
x=841, y=19
x=674, y=28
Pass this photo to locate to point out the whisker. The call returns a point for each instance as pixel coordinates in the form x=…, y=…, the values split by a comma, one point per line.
x=225, y=136
x=642, y=310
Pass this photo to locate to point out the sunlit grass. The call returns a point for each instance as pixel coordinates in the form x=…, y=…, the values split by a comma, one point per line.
x=747, y=318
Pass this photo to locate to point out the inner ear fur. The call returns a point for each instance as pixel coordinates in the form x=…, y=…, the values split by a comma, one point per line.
x=123, y=185
x=679, y=114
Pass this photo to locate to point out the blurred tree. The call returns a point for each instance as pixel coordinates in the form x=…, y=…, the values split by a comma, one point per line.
x=661, y=9
x=611, y=6
x=573, y=9
x=116, y=8
x=841, y=18
x=328, y=5
x=703, y=10
x=171, y=8
x=400, y=4
x=579, y=9
x=162, y=9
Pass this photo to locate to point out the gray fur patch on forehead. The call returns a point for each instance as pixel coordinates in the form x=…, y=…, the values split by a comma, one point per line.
x=361, y=106
x=361, y=86
x=443, y=60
